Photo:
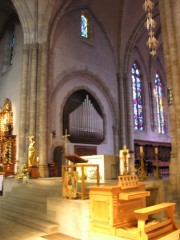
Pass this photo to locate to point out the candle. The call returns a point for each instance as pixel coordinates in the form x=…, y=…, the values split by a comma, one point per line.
x=156, y=150
x=141, y=150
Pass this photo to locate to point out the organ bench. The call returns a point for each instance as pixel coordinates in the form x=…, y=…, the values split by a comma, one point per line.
x=155, y=228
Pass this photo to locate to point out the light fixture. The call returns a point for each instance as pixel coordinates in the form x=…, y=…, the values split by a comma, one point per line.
x=150, y=24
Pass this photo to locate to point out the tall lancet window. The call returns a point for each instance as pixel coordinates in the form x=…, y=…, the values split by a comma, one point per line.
x=7, y=44
x=11, y=48
x=158, y=91
x=137, y=98
x=84, y=25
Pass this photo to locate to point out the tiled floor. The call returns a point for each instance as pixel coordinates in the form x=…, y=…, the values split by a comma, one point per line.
x=13, y=231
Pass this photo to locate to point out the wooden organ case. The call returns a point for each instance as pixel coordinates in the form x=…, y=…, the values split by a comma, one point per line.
x=120, y=210
x=113, y=206
x=7, y=140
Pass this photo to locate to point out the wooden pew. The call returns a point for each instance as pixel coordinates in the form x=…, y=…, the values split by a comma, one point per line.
x=151, y=230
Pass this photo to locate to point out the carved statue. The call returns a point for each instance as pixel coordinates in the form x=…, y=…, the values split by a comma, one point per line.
x=7, y=116
x=32, y=152
x=6, y=155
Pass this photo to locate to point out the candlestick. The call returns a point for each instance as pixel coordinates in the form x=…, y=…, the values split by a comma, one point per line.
x=157, y=174
x=141, y=150
x=142, y=174
x=66, y=145
x=156, y=150
x=123, y=156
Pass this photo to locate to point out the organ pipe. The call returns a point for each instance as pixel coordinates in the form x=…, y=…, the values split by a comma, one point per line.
x=85, y=122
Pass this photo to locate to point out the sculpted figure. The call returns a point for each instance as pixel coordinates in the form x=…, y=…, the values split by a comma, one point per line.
x=7, y=118
x=31, y=152
x=6, y=154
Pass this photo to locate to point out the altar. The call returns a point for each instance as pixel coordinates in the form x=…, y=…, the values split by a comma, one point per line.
x=108, y=166
x=1, y=181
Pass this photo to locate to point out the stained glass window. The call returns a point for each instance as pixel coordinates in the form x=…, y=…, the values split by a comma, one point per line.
x=159, y=104
x=11, y=48
x=137, y=98
x=84, y=26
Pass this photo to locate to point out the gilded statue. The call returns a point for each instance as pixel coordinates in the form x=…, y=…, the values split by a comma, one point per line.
x=7, y=116
x=6, y=155
x=32, y=152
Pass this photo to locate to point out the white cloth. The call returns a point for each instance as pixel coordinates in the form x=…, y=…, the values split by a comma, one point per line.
x=1, y=182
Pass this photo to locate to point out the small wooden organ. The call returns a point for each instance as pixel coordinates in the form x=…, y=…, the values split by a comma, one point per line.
x=116, y=210
x=7, y=140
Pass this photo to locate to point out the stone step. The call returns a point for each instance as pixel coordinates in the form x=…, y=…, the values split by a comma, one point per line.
x=28, y=196
x=38, y=206
x=32, y=184
x=25, y=187
x=33, y=222
x=26, y=203
x=35, y=212
x=30, y=199
x=31, y=194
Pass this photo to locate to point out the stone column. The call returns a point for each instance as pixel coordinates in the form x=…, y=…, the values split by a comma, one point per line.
x=43, y=103
x=116, y=140
x=176, y=8
x=33, y=90
x=129, y=112
x=129, y=118
x=122, y=135
x=176, y=16
x=169, y=33
x=23, y=105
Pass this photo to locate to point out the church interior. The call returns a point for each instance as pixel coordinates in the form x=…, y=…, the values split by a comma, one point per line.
x=89, y=128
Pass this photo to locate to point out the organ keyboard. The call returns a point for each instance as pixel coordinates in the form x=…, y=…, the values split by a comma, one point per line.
x=131, y=188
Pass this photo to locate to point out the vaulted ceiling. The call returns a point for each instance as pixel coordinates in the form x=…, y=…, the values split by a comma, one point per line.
x=122, y=21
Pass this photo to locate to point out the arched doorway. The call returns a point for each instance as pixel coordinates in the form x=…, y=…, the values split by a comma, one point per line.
x=58, y=160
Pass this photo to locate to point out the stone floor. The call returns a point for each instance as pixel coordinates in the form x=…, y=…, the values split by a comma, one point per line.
x=13, y=231
x=58, y=236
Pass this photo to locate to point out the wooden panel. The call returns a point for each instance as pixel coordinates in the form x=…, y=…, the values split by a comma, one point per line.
x=126, y=210
x=85, y=150
x=100, y=211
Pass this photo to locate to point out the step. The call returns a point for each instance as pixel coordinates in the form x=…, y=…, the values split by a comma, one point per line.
x=26, y=211
x=45, y=189
x=27, y=196
x=38, y=206
x=27, y=203
x=33, y=222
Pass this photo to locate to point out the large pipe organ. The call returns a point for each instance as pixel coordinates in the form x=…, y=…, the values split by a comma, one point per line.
x=86, y=123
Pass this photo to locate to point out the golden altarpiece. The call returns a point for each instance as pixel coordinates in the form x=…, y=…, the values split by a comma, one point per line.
x=7, y=139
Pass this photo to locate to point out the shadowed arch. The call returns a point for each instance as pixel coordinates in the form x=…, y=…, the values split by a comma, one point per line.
x=58, y=160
